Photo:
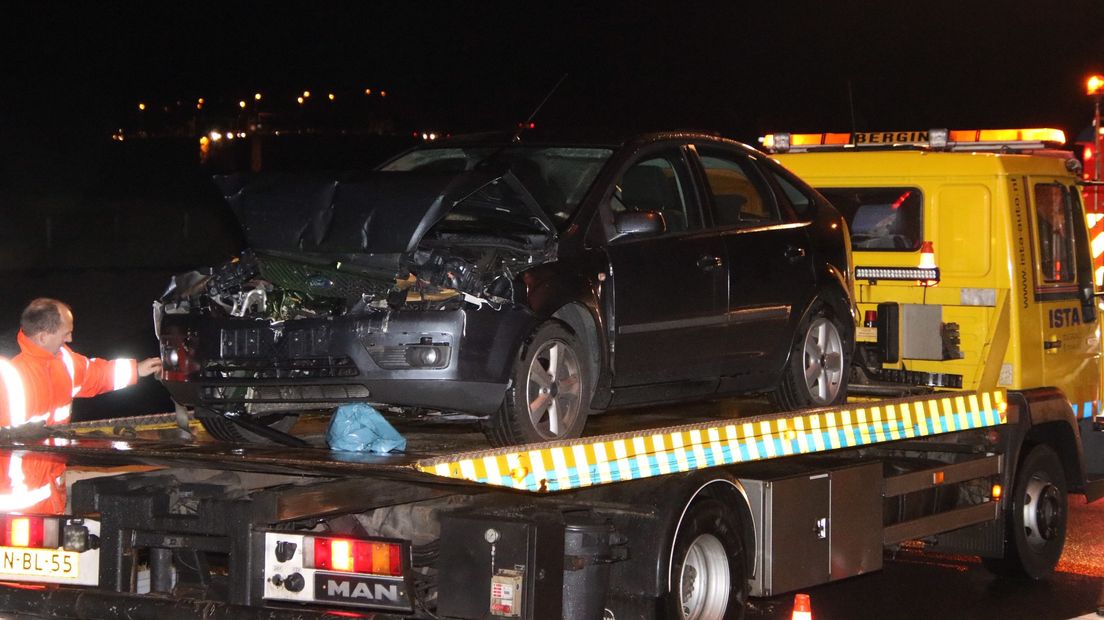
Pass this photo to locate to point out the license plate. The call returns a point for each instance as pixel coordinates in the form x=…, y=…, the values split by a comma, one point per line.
x=38, y=562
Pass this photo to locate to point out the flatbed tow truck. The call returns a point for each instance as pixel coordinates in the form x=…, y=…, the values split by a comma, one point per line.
x=999, y=368
x=676, y=521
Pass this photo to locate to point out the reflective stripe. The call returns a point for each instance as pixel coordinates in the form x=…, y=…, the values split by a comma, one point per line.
x=67, y=359
x=21, y=497
x=17, y=396
x=124, y=370
x=629, y=456
x=61, y=414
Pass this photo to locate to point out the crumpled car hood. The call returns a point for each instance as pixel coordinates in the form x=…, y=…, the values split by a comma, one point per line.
x=369, y=212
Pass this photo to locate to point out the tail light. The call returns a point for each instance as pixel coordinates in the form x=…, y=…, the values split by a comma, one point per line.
x=24, y=532
x=358, y=556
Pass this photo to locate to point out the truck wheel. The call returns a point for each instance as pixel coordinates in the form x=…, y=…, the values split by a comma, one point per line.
x=545, y=400
x=816, y=374
x=708, y=571
x=224, y=430
x=1036, y=521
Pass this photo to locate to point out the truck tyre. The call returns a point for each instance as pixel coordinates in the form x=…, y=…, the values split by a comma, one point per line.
x=1036, y=521
x=708, y=570
x=545, y=400
x=224, y=430
x=820, y=358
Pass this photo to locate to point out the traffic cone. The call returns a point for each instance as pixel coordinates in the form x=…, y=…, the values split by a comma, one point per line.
x=802, y=610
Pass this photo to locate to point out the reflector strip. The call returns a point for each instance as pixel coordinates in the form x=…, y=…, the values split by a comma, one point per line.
x=17, y=396
x=124, y=370
x=563, y=465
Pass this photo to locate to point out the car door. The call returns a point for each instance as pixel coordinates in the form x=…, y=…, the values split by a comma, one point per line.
x=669, y=289
x=770, y=268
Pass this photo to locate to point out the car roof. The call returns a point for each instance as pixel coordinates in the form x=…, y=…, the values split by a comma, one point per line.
x=599, y=137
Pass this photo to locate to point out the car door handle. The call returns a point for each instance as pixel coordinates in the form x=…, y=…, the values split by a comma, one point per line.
x=1052, y=346
x=709, y=263
x=794, y=253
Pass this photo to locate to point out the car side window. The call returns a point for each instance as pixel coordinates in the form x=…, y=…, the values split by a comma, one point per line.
x=740, y=197
x=658, y=184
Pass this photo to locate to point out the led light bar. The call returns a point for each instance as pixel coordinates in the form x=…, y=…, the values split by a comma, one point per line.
x=897, y=273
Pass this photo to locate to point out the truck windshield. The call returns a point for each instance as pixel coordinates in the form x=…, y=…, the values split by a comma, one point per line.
x=880, y=218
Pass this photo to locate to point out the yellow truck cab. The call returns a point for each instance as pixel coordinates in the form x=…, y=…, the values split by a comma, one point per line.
x=972, y=261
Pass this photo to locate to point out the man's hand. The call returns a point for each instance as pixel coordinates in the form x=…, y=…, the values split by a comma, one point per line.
x=149, y=366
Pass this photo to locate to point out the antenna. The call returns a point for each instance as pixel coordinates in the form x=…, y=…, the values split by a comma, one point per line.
x=544, y=101
x=851, y=105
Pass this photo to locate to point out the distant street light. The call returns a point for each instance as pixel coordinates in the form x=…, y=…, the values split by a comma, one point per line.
x=306, y=94
x=383, y=93
x=257, y=96
x=331, y=96
x=368, y=91
x=241, y=104
x=300, y=100
x=141, y=106
x=1094, y=87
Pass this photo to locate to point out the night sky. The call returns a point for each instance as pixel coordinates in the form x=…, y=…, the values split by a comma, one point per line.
x=739, y=68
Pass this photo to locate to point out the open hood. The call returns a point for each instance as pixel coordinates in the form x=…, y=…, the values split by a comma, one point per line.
x=370, y=212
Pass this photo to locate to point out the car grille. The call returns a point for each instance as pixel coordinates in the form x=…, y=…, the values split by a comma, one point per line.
x=320, y=281
x=282, y=393
x=251, y=342
x=317, y=368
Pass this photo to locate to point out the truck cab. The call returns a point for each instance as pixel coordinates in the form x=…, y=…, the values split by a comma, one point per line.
x=973, y=267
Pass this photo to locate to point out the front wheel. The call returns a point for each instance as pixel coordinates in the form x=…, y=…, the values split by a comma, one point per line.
x=819, y=361
x=1036, y=521
x=708, y=577
x=548, y=397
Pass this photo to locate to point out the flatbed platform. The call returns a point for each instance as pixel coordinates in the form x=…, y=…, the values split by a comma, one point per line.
x=436, y=453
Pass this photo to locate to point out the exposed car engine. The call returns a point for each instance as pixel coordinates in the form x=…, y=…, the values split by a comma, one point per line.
x=278, y=288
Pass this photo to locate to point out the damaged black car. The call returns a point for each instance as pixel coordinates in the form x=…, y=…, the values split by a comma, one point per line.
x=528, y=283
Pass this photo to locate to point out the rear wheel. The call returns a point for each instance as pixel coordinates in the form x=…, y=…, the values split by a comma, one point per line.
x=547, y=398
x=1036, y=521
x=708, y=570
x=222, y=429
x=820, y=357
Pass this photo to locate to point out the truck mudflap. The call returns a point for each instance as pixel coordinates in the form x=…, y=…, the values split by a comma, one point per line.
x=579, y=463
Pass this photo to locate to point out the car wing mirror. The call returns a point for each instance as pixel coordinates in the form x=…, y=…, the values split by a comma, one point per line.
x=638, y=224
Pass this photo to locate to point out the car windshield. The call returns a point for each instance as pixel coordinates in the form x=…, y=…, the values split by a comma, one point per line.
x=880, y=218
x=556, y=177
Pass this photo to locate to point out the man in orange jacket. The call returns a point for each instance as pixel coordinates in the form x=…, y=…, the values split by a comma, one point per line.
x=39, y=385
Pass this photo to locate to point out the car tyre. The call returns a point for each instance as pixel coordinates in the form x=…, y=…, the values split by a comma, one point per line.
x=220, y=428
x=819, y=361
x=548, y=396
x=708, y=577
x=1036, y=521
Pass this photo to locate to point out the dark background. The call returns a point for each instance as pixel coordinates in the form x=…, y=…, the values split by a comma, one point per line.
x=102, y=223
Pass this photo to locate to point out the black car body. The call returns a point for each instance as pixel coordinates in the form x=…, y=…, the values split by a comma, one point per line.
x=528, y=282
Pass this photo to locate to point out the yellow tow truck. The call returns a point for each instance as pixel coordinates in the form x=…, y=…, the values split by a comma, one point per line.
x=980, y=373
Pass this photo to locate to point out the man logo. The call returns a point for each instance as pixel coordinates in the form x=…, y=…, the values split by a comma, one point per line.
x=344, y=589
x=362, y=591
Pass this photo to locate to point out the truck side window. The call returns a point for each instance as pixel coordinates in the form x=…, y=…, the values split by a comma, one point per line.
x=1054, y=222
x=880, y=218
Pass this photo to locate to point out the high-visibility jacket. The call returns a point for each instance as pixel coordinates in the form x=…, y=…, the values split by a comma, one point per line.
x=38, y=386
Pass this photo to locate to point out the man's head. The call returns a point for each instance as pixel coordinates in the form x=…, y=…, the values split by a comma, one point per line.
x=48, y=323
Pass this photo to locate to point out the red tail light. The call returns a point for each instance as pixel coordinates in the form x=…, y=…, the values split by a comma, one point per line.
x=358, y=556
x=22, y=532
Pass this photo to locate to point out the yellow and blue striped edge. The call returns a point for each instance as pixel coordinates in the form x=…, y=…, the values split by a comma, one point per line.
x=578, y=463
